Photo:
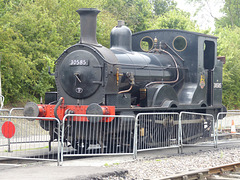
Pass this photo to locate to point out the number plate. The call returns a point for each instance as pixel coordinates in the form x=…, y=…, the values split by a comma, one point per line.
x=76, y=62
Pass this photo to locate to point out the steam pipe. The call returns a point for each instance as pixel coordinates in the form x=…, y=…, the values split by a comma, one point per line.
x=56, y=107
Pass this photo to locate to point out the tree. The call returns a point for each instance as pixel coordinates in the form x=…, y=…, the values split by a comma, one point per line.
x=33, y=34
x=28, y=41
x=163, y=6
x=231, y=16
x=175, y=19
x=136, y=13
x=207, y=10
x=229, y=45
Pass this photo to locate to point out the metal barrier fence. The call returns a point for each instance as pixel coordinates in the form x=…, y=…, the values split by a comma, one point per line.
x=10, y=113
x=196, y=128
x=227, y=124
x=226, y=119
x=156, y=131
x=1, y=101
x=103, y=135
x=4, y=112
x=22, y=137
x=25, y=137
x=13, y=112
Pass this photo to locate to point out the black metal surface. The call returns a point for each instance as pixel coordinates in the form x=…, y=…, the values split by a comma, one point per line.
x=98, y=74
x=31, y=110
x=80, y=74
x=150, y=71
x=174, y=71
x=119, y=100
x=94, y=109
x=50, y=97
x=121, y=37
x=88, y=18
x=161, y=95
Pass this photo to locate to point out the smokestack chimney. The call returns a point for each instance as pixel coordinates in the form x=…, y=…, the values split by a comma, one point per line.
x=88, y=23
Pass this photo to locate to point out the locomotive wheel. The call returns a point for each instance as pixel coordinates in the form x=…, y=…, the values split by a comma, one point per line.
x=195, y=132
x=126, y=144
x=192, y=133
x=113, y=147
x=44, y=124
x=120, y=145
x=80, y=145
x=154, y=135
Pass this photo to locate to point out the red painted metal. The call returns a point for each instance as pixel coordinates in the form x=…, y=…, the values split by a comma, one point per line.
x=48, y=111
x=8, y=129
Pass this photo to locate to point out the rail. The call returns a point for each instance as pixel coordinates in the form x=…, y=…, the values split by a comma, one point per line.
x=205, y=173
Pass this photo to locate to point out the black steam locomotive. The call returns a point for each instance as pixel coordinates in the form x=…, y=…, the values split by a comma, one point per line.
x=150, y=71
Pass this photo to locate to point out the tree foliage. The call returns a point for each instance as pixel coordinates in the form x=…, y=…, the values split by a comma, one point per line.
x=175, y=19
x=34, y=33
x=229, y=45
x=228, y=31
x=231, y=16
x=135, y=13
x=163, y=6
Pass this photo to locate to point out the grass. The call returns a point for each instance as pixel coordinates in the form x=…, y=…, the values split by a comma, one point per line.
x=29, y=149
x=106, y=165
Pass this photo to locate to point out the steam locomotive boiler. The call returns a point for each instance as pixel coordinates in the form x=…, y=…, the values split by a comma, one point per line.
x=150, y=71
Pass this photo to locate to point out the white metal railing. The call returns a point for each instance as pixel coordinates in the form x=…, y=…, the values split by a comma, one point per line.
x=1, y=101
x=196, y=128
x=82, y=138
x=22, y=137
x=225, y=122
x=156, y=131
x=107, y=135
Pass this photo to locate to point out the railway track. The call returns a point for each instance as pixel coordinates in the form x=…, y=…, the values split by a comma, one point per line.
x=226, y=172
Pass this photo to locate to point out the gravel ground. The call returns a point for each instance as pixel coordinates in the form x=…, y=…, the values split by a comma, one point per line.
x=157, y=168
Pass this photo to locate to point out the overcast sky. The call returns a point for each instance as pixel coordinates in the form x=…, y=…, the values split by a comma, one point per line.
x=204, y=18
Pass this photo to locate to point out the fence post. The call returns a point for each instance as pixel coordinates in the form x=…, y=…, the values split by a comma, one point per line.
x=215, y=133
x=135, y=138
x=62, y=138
x=6, y=110
x=9, y=142
x=180, y=146
x=217, y=130
x=10, y=114
x=59, y=144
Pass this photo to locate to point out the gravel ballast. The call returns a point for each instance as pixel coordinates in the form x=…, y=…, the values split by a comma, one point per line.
x=167, y=166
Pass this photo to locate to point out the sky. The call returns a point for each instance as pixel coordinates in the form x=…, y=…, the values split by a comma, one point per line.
x=204, y=18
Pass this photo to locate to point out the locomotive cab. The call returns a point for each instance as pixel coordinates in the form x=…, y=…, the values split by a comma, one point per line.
x=201, y=80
